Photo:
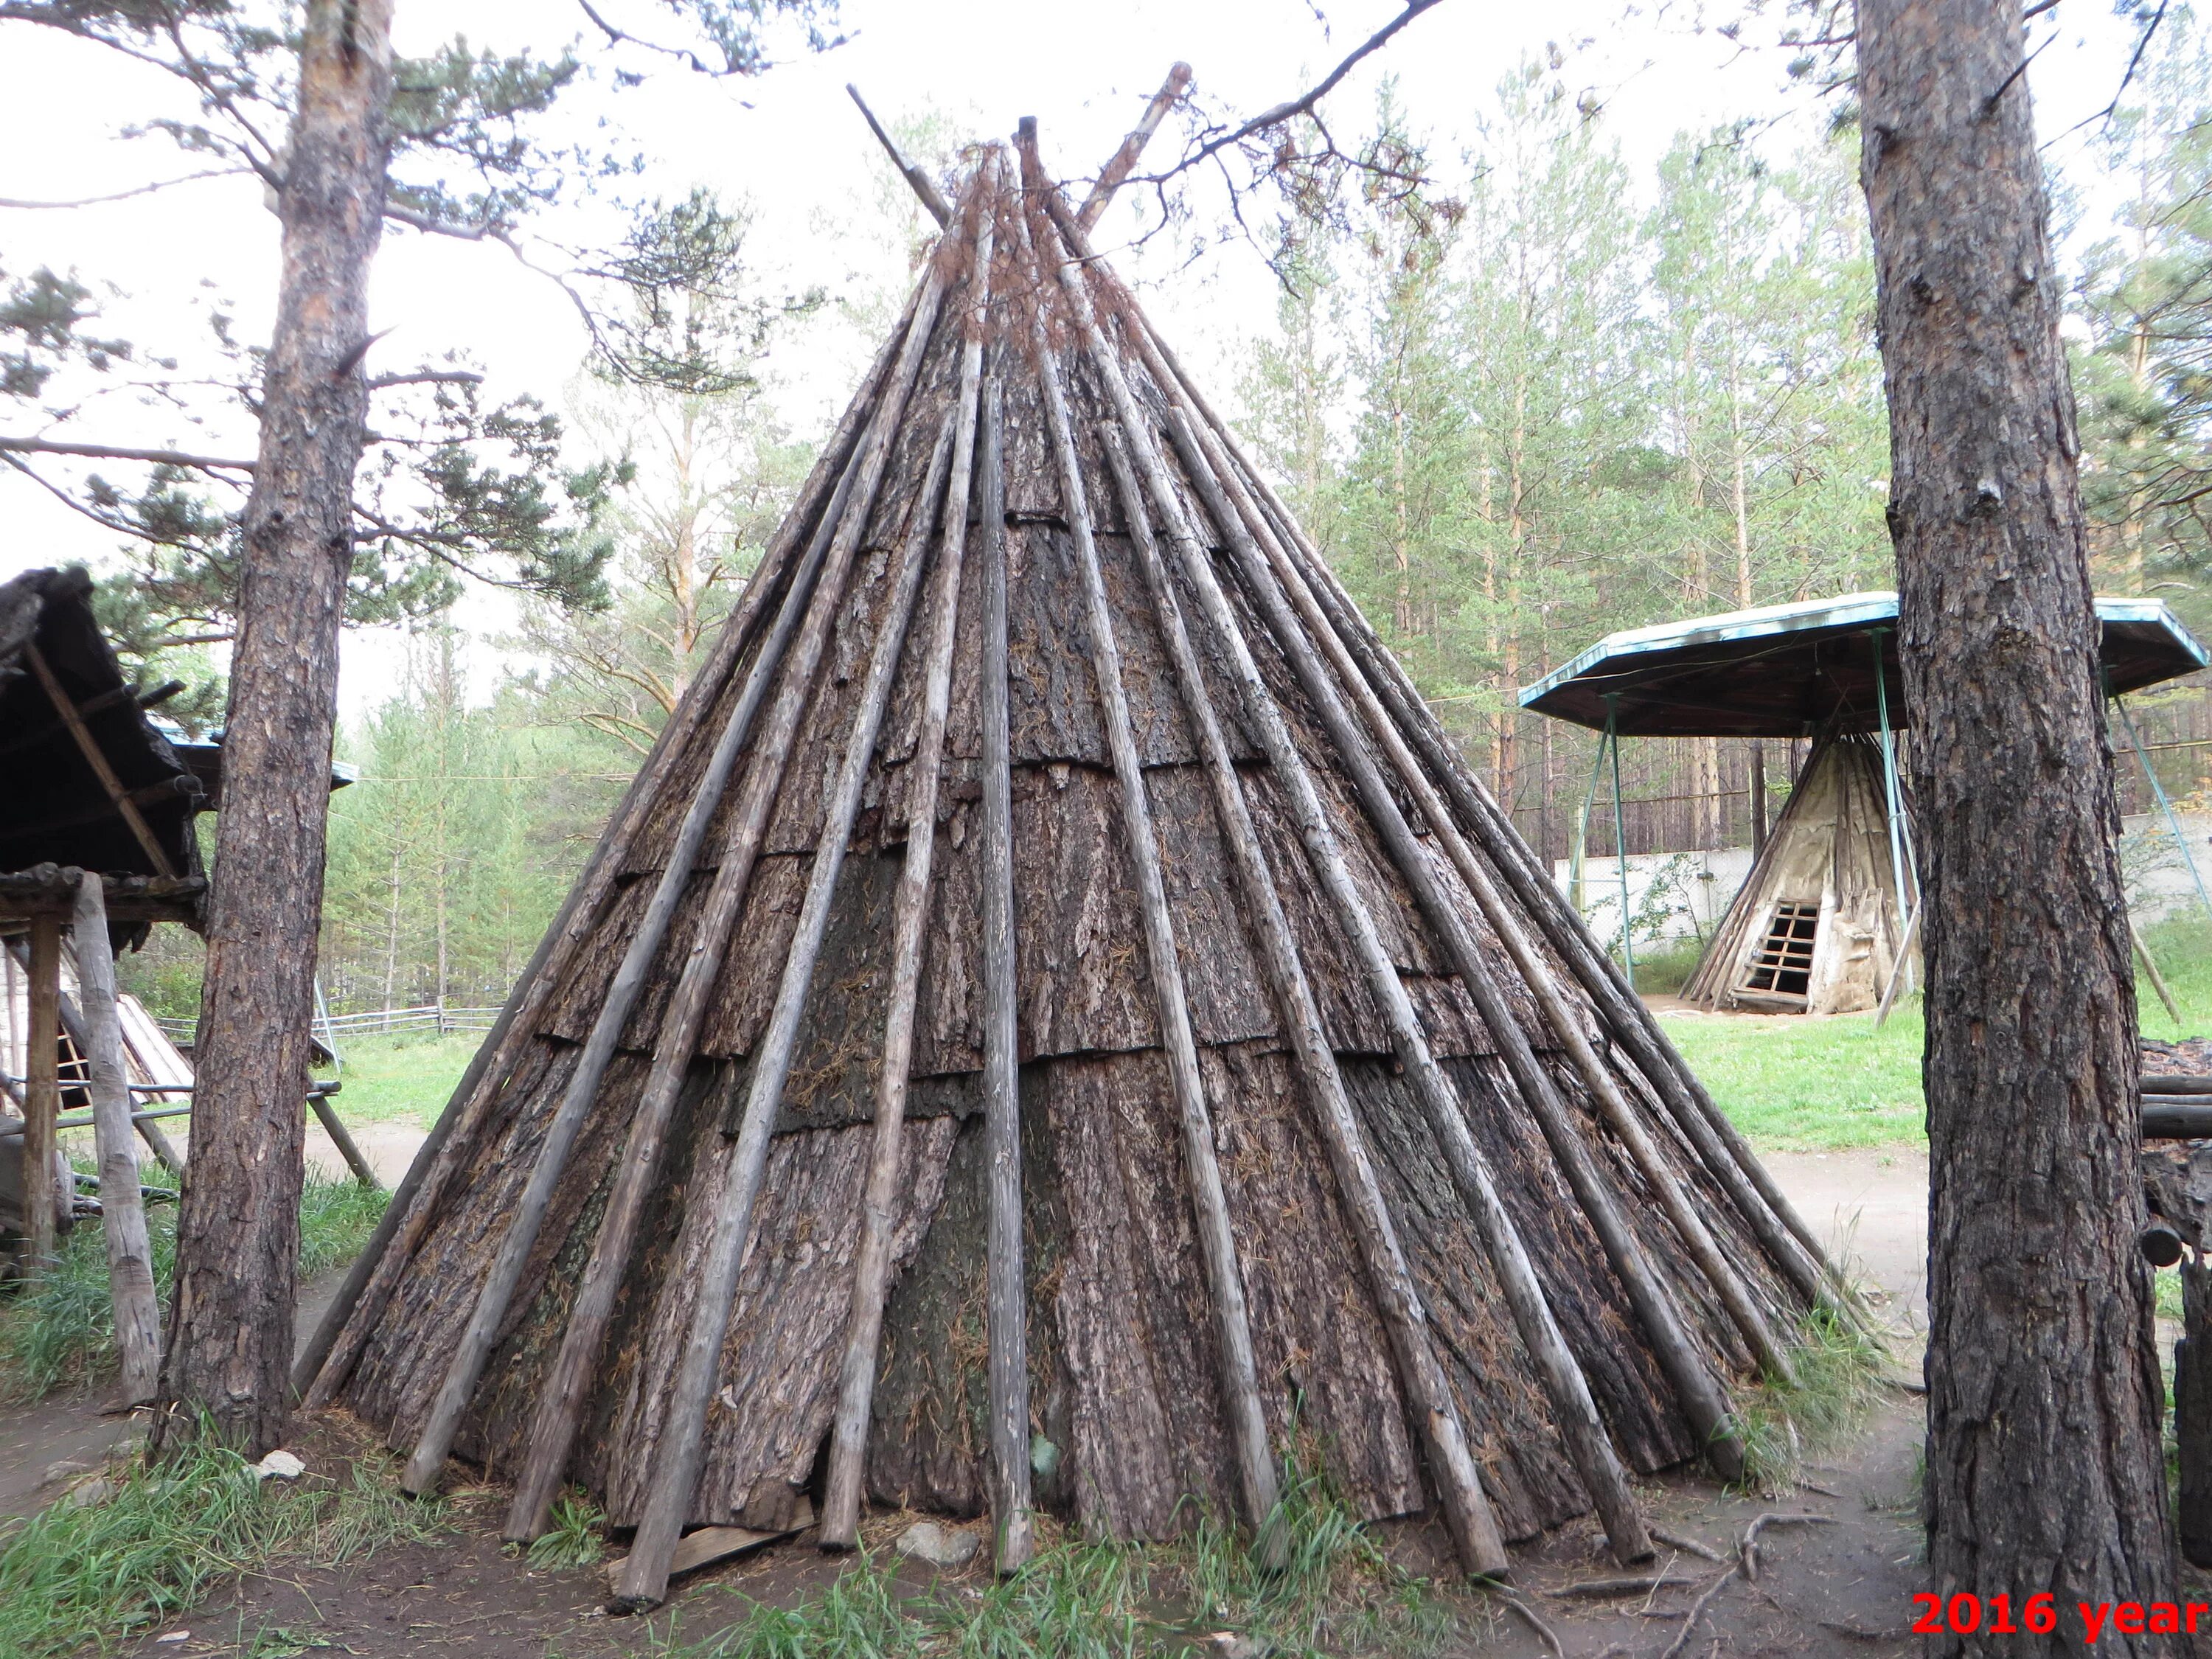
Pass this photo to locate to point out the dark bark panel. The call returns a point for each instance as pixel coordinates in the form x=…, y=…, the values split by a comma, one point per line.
x=1601, y=1328
x=1082, y=981
x=1323, y=1358
x=1133, y=1315
x=927, y=1439
x=1508, y=1420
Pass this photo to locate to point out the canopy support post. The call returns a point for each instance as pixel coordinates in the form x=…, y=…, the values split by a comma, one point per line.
x=1576, y=853
x=2165, y=805
x=1620, y=833
x=1892, y=798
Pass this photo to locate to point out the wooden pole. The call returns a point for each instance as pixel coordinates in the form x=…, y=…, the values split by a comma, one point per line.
x=1380, y=679
x=815, y=600
x=1246, y=1418
x=848, y=1440
x=342, y=1138
x=122, y=1207
x=2143, y=955
x=1111, y=176
x=1467, y=1512
x=1006, y=1290
x=1253, y=538
x=96, y=758
x=682, y=1447
x=920, y=183
x=42, y=1099
x=327, y=1360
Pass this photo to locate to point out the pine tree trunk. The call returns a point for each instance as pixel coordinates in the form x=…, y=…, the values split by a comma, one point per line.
x=2045, y=1466
x=230, y=1348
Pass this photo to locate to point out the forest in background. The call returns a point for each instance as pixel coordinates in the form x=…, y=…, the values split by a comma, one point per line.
x=1540, y=398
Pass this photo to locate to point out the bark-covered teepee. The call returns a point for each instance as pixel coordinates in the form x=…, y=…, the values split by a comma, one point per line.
x=1054, y=1021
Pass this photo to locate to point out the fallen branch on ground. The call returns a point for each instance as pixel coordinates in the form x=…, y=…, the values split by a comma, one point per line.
x=1746, y=1567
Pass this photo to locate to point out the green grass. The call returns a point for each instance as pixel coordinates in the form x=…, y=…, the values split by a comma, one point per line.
x=1333, y=1594
x=1661, y=970
x=575, y=1536
x=78, y=1578
x=1837, y=1370
x=1796, y=1084
x=2182, y=945
x=402, y=1079
x=1799, y=1084
x=60, y=1328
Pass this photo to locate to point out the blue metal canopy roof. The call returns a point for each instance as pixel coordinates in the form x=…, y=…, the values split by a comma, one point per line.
x=1781, y=671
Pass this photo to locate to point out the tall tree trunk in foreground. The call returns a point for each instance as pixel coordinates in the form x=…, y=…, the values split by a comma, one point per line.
x=230, y=1345
x=2045, y=1468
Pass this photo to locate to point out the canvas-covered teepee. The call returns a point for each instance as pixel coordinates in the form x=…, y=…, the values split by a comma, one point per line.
x=1053, y=1021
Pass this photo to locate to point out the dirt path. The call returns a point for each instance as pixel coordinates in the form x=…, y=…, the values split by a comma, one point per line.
x=1833, y=1591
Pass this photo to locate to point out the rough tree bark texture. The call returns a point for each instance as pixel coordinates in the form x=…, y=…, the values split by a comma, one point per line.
x=2044, y=1470
x=230, y=1346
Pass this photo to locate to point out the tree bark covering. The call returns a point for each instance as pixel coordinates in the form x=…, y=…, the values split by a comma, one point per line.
x=2045, y=1468
x=230, y=1346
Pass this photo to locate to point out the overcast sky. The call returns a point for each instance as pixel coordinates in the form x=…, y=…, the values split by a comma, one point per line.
x=791, y=143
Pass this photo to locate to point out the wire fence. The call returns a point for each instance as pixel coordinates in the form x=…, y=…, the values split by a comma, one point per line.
x=376, y=1022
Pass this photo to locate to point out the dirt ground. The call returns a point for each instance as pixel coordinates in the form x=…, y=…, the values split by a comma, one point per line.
x=1840, y=1587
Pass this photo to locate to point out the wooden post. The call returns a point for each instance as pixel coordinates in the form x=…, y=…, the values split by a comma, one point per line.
x=1758, y=799
x=329, y=1357
x=42, y=1100
x=96, y=758
x=318, y=1102
x=1117, y=169
x=724, y=898
x=1005, y=1288
x=123, y=1210
x=1379, y=679
x=848, y=1440
x=1247, y=1420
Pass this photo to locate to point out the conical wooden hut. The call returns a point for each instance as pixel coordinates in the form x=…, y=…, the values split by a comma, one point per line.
x=1823, y=921
x=1055, y=1027
x=1820, y=923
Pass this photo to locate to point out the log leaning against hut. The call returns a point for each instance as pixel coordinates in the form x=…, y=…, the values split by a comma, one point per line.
x=1055, y=1020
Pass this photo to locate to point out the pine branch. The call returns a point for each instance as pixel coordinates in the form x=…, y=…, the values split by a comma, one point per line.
x=127, y=195
x=112, y=452
x=1302, y=105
